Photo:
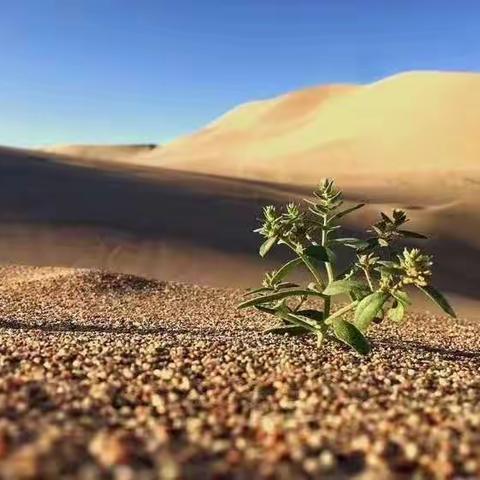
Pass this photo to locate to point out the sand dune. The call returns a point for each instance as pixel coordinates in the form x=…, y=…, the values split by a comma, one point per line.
x=191, y=227
x=411, y=141
x=186, y=211
x=425, y=120
x=152, y=222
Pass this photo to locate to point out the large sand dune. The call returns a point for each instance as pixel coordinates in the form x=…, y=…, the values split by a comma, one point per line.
x=186, y=211
x=425, y=121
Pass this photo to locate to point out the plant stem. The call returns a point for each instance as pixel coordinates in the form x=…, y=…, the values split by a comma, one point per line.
x=302, y=301
x=313, y=270
x=340, y=312
x=369, y=280
x=307, y=263
x=328, y=268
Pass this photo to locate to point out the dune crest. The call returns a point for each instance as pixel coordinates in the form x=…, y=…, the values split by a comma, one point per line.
x=421, y=120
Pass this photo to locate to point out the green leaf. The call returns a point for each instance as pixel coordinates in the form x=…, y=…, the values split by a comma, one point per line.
x=386, y=263
x=267, y=245
x=347, y=211
x=439, y=299
x=317, y=252
x=293, y=330
x=402, y=297
x=360, y=293
x=297, y=320
x=386, y=217
x=338, y=287
x=350, y=242
x=368, y=308
x=343, y=240
x=287, y=285
x=257, y=290
x=286, y=269
x=278, y=296
x=349, y=334
x=388, y=268
x=409, y=234
x=397, y=312
x=316, y=315
x=371, y=242
x=279, y=286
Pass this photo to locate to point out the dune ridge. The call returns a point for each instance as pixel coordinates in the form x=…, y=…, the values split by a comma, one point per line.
x=421, y=120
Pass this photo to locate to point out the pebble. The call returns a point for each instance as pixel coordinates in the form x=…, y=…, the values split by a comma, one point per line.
x=113, y=376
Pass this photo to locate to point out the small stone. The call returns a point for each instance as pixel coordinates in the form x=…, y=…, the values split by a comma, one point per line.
x=110, y=449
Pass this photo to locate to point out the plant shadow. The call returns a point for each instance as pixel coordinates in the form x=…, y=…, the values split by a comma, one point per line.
x=70, y=327
x=446, y=353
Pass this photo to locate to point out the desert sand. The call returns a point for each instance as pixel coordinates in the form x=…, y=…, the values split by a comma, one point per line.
x=185, y=211
x=171, y=381
x=423, y=120
x=174, y=225
x=409, y=141
x=153, y=373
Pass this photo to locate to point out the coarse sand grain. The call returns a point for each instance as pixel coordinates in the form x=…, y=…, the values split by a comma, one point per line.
x=114, y=376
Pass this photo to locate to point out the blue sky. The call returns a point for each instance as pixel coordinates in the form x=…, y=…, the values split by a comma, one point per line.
x=132, y=71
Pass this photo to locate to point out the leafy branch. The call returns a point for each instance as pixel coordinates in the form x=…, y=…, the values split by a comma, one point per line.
x=376, y=281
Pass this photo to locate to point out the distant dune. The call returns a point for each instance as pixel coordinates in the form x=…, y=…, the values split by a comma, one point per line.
x=186, y=211
x=421, y=120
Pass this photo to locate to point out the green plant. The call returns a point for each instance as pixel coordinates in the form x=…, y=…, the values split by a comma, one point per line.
x=376, y=280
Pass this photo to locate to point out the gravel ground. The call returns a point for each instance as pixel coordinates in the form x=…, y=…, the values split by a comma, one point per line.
x=113, y=376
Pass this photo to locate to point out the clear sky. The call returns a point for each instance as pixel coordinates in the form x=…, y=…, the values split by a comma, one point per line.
x=132, y=71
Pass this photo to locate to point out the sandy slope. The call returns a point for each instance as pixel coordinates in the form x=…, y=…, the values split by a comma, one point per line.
x=196, y=228
x=412, y=140
x=422, y=120
x=112, y=376
x=140, y=220
x=409, y=141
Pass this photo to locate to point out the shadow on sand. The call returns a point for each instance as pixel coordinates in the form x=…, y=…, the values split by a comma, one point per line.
x=69, y=327
x=446, y=353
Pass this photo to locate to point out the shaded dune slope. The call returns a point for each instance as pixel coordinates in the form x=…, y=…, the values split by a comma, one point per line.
x=151, y=222
x=190, y=227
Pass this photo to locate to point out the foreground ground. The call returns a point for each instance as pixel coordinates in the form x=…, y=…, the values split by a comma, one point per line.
x=107, y=376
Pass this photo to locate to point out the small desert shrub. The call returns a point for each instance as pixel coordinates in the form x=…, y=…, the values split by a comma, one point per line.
x=377, y=279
